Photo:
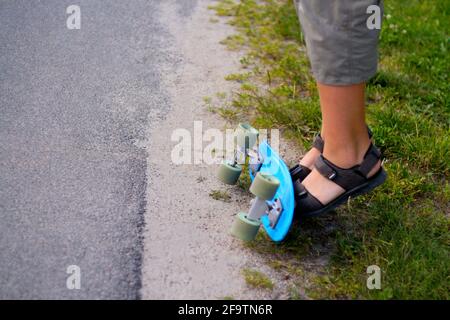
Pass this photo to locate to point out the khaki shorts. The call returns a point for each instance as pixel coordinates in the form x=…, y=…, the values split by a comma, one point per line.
x=341, y=47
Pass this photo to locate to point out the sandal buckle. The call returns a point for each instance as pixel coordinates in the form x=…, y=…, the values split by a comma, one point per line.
x=332, y=175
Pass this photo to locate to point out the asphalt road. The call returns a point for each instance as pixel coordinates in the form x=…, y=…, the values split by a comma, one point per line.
x=74, y=107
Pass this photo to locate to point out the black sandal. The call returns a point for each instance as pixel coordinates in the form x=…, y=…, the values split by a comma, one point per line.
x=300, y=171
x=353, y=180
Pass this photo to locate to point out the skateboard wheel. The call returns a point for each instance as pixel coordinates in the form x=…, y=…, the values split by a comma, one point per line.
x=264, y=186
x=229, y=173
x=244, y=228
x=246, y=136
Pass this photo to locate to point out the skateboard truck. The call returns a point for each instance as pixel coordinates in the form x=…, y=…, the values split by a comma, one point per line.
x=245, y=139
x=261, y=207
x=239, y=156
x=275, y=210
x=255, y=160
x=258, y=208
x=241, y=153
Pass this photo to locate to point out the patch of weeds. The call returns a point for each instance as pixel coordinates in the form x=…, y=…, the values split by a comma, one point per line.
x=226, y=112
x=221, y=95
x=208, y=103
x=207, y=100
x=220, y=195
x=276, y=264
x=237, y=77
x=257, y=279
x=294, y=293
x=234, y=42
x=244, y=181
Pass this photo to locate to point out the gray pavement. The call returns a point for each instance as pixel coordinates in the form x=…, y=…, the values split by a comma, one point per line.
x=74, y=106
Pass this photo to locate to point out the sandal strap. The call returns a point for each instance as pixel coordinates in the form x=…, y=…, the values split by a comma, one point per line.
x=318, y=143
x=307, y=200
x=349, y=178
x=299, y=172
x=371, y=158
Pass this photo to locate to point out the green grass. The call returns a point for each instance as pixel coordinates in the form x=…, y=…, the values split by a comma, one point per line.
x=403, y=227
x=220, y=195
x=257, y=279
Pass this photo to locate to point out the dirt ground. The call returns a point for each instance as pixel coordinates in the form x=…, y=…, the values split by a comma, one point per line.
x=188, y=251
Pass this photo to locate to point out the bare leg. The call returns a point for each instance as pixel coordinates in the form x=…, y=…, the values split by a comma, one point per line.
x=344, y=132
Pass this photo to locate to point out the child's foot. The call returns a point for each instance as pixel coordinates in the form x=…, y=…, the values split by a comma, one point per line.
x=310, y=157
x=306, y=164
x=329, y=185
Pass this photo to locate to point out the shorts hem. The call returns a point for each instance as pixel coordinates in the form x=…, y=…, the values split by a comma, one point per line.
x=344, y=81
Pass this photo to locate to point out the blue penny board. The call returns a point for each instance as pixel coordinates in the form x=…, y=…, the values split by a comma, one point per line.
x=275, y=166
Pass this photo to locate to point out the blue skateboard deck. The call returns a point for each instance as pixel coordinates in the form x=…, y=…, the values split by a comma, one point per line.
x=272, y=164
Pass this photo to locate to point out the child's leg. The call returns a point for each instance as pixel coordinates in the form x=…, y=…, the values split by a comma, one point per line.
x=345, y=132
x=341, y=48
x=343, y=123
x=343, y=54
